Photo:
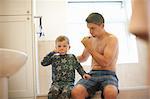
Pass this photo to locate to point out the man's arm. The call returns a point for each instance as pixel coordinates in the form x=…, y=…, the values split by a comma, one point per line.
x=110, y=51
x=84, y=56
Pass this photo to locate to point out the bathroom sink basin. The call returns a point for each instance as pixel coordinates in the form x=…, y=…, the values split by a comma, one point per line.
x=11, y=61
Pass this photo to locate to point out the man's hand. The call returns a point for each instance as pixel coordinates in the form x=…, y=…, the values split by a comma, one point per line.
x=87, y=42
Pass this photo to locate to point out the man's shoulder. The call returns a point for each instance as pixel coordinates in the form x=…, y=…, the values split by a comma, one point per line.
x=112, y=37
x=112, y=40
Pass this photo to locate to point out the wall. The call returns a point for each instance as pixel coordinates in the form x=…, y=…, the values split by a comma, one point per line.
x=53, y=14
x=135, y=74
x=44, y=72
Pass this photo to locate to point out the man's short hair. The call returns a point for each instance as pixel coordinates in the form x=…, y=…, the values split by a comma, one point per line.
x=95, y=18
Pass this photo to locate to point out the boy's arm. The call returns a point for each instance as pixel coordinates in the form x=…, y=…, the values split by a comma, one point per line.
x=47, y=60
x=79, y=68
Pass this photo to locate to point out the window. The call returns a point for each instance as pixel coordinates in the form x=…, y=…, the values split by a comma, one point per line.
x=116, y=20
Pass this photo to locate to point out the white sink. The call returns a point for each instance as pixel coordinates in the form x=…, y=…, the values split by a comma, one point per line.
x=10, y=62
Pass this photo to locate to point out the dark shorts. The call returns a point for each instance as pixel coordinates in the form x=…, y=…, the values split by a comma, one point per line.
x=99, y=79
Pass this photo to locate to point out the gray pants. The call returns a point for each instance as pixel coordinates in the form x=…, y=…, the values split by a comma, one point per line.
x=60, y=90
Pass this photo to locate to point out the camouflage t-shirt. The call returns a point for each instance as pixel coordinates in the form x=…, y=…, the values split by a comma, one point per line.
x=63, y=66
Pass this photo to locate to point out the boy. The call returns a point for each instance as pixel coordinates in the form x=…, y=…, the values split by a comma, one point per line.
x=63, y=69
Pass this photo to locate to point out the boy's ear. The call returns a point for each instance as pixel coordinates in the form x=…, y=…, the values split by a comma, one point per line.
x=69, y=47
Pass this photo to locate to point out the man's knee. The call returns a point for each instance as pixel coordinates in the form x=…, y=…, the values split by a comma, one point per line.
x=76, y=90
x=110, y=92
x=79, y=91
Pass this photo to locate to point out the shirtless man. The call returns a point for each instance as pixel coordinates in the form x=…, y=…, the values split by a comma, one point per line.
x=103, y=47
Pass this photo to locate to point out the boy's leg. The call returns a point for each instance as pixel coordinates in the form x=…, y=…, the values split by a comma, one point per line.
x=50, y=95
x=66, y=92
x=54, y=92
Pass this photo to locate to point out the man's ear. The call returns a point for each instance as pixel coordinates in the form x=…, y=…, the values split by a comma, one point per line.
x=102, y=25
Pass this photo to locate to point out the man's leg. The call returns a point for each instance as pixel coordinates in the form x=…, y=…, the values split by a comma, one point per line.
x=79, y=92
x=110, y=92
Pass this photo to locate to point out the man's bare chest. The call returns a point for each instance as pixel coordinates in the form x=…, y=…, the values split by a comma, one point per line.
x=99, y=46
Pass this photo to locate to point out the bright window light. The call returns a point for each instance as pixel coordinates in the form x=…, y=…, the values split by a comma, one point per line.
x=116, y=20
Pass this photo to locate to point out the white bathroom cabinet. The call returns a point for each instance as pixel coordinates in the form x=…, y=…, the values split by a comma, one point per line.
x=16, y=33
x=15, y=7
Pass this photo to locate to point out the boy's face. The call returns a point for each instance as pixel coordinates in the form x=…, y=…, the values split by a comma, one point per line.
x=62, y=47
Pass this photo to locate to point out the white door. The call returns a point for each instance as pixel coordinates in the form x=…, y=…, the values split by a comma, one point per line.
x=16, y=33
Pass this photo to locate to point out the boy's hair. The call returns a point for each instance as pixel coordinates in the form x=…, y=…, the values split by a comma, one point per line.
x=62, y=38
x=95, y=18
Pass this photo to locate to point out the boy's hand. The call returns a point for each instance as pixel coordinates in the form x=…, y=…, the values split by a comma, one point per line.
x=58, y=52
x=55, y=51
x=86, y=76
